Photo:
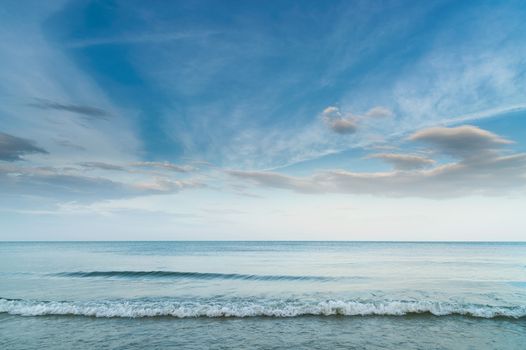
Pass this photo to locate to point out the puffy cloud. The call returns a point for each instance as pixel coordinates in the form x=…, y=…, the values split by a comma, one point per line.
x=404, y=161
x=12, y=148
x=343, y=126
x=340, y=124
x=337, y=123
x=464, y=141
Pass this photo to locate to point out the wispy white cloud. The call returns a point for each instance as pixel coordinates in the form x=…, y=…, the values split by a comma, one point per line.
x=163, y=185
x=379, y=112
x=88, y=112
x=165, y=166
x=73, y=183
x=14, y=148
x=102, y=166
x=138, y=38
x=42, y=89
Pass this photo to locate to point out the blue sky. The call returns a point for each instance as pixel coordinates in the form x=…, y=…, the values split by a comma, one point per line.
x=262, y=120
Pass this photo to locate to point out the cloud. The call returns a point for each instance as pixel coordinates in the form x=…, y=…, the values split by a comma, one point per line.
x=69, y=144
x=493, y=174
x=102, y=166
x=464, y=141
x=50, y=183
x=70, y=184
x=161, y=185
x=340, y=124
x=404, y=161
x=337, y=123
x=343, y=126
x=139, y=38
x=86, y=111
x=130, y=166
x=379, y=112
x=12, y=148
x=275, y=180
x=166, y=166
x=496, y=176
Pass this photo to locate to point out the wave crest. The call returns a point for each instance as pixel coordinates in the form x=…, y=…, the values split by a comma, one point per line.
x=242, y=308
x=190, y=275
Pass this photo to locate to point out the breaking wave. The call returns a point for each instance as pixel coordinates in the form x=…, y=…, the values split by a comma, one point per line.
x=251, y=308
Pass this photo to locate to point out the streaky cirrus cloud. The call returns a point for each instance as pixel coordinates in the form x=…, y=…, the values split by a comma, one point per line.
x=138, y=38
x=129, y=167
x=88, y=112
x=162, y=185
x=70, y=183
x=166, y=166
x=102, y=166
x=68, y=144
x=13, y=148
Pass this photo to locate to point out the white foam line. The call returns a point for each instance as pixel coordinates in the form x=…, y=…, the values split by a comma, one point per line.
x=142, y=308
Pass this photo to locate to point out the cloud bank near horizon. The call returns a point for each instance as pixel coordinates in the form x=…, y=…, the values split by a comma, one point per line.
x=480, y=167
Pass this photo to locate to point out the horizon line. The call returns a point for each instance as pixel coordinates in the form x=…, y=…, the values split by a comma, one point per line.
x=254, y=241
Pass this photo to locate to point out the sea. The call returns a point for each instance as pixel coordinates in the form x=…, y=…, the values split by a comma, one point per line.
x=262, y=295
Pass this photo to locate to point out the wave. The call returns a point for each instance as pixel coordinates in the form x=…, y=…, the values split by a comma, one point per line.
x=191, y=275
x=135, y=308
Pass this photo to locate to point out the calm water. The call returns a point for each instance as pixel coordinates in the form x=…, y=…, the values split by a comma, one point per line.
x=269, y=295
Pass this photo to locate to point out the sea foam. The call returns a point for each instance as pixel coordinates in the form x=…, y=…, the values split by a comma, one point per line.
x=134, y=308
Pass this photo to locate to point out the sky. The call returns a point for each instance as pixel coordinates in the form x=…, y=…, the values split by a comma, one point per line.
x=263, y=120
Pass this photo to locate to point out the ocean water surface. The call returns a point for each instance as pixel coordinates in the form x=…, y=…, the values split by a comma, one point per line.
x=268, y=295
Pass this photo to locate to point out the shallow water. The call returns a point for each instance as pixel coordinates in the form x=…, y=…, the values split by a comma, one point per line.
x=263, y=295
x=380, y=332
